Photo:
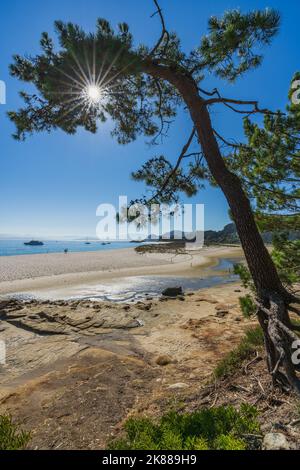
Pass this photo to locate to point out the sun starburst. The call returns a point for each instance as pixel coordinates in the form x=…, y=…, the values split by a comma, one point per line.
x=88, y=85
x=94, y=93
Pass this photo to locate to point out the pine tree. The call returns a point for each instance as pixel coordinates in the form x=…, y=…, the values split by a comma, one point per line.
x=142, y=90
x=268, y=164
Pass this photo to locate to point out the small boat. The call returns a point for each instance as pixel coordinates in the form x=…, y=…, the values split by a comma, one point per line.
x=34, y=243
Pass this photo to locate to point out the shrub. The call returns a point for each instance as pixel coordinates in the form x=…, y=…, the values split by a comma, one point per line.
x=11, y=438
x=243, y=272
x=232, y=361
x=247, y=305
x=254, y=337
x=230, y=443
x=220, y=428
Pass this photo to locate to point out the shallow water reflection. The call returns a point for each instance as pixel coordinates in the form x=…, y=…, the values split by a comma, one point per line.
x=141, y=287
x=135, y=288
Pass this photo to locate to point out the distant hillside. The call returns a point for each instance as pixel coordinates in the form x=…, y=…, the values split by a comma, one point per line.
x=229, y=236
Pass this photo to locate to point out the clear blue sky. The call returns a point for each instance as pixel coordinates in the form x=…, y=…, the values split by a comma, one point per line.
x=52, y=184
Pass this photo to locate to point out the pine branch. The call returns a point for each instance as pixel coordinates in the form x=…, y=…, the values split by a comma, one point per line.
x=176, y=167
x=164, y=34
x=226, y=142
x=228, y=101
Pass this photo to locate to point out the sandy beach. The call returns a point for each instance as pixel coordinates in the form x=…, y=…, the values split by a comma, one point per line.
x=97, y=363
x=51, y=272
x=75, y=369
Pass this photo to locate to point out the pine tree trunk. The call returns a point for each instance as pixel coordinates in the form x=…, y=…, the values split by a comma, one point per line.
x=270, y=292
x=273, y=316
x=260, y=263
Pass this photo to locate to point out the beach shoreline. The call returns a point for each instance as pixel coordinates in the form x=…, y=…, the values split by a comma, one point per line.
x=67, y=358
x=49, y=272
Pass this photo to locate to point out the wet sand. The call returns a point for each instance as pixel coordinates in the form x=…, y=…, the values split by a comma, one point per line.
x=49, y=273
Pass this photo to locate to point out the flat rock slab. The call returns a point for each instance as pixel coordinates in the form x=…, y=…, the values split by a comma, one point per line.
x=68, y=318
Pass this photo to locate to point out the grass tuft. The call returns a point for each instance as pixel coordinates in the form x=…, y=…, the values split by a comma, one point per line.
x=253, y=340
x=11, y=437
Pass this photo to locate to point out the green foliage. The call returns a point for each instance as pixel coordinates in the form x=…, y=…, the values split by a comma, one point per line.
x=247, y=305
x=269, y=167
x=221, y=428
x=243, y=272
x=136, y=100
x=230, y=443
x=58, y=75
x=157, y=170
x=254, y=337
x=286, y=256
x=277, y=222
x=11, y=438
x=229, y=48
x=233, y=360
x=61, y=78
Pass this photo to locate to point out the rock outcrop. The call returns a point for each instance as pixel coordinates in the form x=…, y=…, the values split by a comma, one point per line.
x=173, y=292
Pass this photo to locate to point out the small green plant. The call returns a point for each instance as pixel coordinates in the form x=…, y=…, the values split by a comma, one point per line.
x=11, y=437
x=243, y=272
x=253, y=339
x=247, y=305
x=220, y=428
x=230, y=443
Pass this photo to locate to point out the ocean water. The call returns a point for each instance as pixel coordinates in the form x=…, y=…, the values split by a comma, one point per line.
x=120, y=290
x=17, y=247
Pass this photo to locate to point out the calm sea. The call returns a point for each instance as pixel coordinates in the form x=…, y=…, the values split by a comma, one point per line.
x=17, y=247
